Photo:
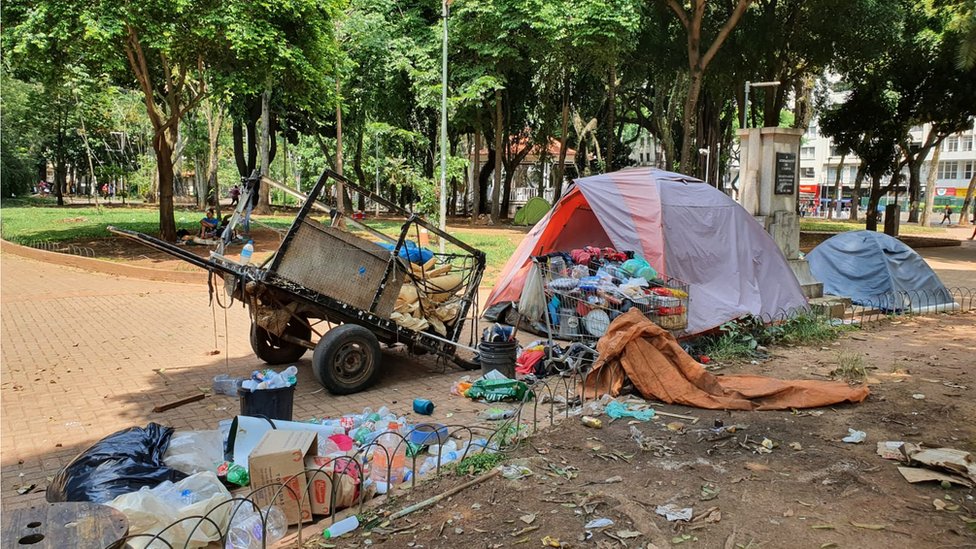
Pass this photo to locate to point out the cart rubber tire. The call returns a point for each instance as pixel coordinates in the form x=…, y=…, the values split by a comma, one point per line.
x=272, y=350
x=347, y=359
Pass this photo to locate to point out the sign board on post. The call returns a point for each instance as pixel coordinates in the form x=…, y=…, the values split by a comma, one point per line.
x=785, y=176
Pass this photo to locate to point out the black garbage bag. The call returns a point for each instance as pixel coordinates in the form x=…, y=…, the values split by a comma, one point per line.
x=120, y=463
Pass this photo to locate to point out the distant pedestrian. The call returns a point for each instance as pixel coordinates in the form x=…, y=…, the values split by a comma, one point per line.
x=235, y=195
x=947, y=215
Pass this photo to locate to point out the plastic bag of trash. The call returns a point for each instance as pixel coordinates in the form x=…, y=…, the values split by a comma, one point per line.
x=151, y=510
x=120, y=463
x=194, y=451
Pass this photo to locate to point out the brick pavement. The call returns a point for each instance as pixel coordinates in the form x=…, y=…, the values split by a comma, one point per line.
x=79, y=350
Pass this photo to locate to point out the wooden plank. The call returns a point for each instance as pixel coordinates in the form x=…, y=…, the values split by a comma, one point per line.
x=178, y=403
x=60, y=525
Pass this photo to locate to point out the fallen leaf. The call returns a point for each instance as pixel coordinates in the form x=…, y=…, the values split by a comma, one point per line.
x=528, y=519
x=788, y=513
x=829, y=545
x=823, y=527
x=614, y=479
x=627, y=534
x=26, y=489
x=796, y=446
x=550, y=541
x=939, y=504
x=757, y=467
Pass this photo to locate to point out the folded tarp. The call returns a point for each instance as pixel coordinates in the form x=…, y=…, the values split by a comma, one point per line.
x=659, y=368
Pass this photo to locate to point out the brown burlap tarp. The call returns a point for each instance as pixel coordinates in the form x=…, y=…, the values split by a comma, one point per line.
x=659, y=368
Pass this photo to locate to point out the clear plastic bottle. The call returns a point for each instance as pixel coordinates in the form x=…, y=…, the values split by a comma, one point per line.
x=389, y=460
x=248, y=532
x=344, y=526
x=247, y=252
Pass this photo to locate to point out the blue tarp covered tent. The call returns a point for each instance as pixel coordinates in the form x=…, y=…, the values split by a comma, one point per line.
x=874, y=269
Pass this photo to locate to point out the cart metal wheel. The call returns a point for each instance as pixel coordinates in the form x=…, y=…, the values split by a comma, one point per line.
x=274, y=350
x=347, y=359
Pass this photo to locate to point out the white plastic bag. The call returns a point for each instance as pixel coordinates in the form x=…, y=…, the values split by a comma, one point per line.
x=532, y=302
x=151, y=510
x=194, y=451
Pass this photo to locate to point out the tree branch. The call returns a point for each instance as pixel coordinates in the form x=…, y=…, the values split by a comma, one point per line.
x=723, y=33
x=679, y=11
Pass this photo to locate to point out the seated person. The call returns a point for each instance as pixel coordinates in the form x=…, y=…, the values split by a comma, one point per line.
x=208, y=225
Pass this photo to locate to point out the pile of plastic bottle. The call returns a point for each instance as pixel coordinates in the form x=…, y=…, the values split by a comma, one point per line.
x=270, y=379
x=384, y=432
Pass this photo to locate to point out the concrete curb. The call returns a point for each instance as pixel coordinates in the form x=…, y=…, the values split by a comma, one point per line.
x=106, y=267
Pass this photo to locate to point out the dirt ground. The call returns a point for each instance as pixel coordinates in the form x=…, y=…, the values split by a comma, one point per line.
x=811, y=490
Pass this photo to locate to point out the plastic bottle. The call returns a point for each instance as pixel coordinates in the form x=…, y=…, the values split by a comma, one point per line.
x=247, y=252
x=289, y=375
x=248, y=532
x=187, y=497
x=389, y=460
x=344, y=526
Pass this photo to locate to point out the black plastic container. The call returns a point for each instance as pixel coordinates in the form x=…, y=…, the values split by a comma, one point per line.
x=499, y=356
x=269, y=403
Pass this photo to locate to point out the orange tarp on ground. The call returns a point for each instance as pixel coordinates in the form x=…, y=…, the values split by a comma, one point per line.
x=659, y=368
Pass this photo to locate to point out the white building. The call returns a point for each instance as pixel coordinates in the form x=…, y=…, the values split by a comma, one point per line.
x=819, y=162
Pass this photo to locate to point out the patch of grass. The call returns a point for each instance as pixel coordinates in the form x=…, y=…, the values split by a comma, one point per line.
x=807, y=329
x=850, y=367
x=38, y=220
x=841, y=226
x=478, y=463
x=742, y=338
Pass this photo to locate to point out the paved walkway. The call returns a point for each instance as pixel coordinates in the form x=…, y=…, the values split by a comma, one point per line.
x=86, y=354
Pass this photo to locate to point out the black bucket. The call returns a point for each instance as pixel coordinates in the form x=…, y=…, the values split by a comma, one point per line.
x=499, y=356
x=269, y=403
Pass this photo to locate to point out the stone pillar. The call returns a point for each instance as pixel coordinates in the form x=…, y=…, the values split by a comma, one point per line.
x=769, y=174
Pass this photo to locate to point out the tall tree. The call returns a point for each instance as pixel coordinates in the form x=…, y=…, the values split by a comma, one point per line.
x=692, y=20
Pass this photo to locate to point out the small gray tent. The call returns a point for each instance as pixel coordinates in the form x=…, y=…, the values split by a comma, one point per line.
x=876, y=270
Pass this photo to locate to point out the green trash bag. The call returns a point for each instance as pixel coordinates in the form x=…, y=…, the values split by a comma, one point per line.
x=495, y=390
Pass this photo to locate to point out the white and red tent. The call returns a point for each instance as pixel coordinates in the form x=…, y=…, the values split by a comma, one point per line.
x=685, y=229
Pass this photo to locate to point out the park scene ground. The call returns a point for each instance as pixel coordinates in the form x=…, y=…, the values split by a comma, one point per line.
x=426, y=274
x=113, y=362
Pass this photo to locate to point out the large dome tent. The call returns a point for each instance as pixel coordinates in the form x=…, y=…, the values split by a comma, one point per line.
x=685, y=228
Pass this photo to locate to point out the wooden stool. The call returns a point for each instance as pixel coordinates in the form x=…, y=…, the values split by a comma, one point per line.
x=60, y=525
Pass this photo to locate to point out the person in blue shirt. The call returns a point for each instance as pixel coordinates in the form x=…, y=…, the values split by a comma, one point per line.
x=208, y=225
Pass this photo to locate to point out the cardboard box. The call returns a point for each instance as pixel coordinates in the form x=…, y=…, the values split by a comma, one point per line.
x=280, y=458
x=320, y=491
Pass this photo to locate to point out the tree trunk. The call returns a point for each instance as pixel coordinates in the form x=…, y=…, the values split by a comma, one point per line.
x=688, y=119
x=484, y=175
x=476, y=187
x=856, y=192
x=264, y=191
x=914, y=186
x=238, y=135
x=164, y=166
x=557, y=183
x=214, y=113
x=499, y=133
x=340, y=188
x=611, y=122
x=357, y=166
x=872, y=213
x=926, y=217
x=966, y=211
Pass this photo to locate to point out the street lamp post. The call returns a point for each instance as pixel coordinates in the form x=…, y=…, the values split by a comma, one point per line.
x=443, y=209
x=708, y=158
x=745, y=109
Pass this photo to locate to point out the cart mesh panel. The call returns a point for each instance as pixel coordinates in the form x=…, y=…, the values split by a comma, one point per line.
x=340, y=265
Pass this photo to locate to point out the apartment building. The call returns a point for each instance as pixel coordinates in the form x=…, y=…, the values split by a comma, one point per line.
x=820, y=162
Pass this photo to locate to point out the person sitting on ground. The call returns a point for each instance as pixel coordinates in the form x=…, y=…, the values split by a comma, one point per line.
x=208, y=225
